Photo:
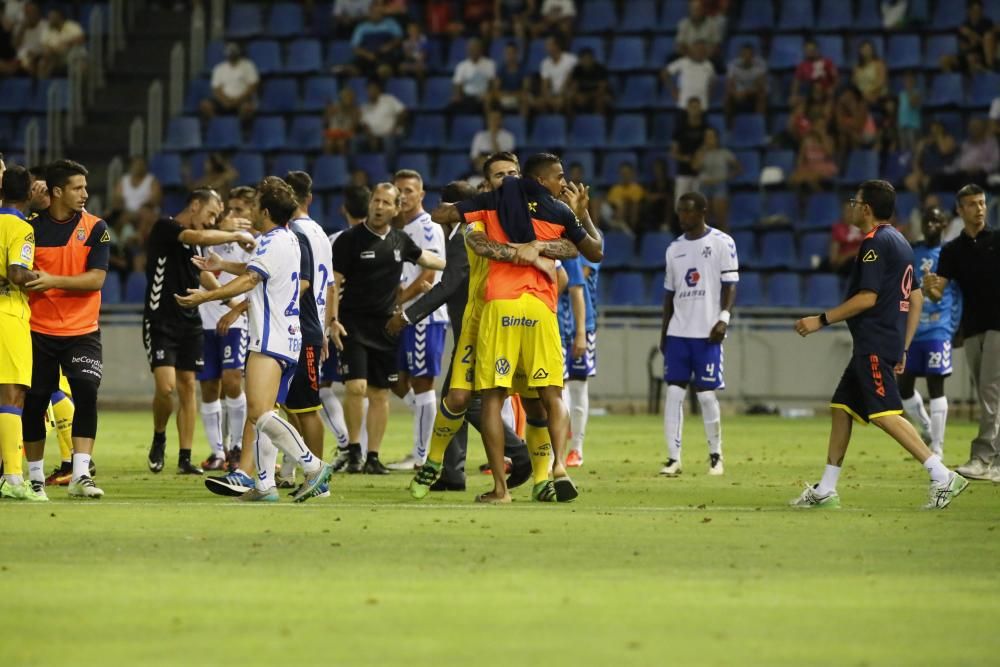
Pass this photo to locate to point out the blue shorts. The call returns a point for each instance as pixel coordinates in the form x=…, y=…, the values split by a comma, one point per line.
x=330, y=370
x=693, y=360
x=421, y=347
x=929, y=357
x=287, y=375
x=223, y=353
x=582, y=367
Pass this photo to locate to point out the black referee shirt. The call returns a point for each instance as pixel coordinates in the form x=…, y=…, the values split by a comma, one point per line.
x=974, y=263
x=169, y=271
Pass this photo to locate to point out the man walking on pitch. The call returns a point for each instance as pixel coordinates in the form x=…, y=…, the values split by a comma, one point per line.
x=701, y=275
x=973, y=262
x=882, y=311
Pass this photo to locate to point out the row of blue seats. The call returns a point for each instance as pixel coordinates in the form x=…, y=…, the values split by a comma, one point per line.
x=22, y=94
x=778, y=290
x=834, y=15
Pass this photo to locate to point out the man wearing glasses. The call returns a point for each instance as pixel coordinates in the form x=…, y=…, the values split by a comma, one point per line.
x=882, y=311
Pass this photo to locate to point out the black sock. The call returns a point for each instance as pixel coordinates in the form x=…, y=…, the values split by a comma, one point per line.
x=354, y=450
x=65, y=466
x=184, y=456
x=373, y=456
x=159, y=437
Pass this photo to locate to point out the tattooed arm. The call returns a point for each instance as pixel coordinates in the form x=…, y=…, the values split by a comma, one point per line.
x=484, y=247
x=558, y=249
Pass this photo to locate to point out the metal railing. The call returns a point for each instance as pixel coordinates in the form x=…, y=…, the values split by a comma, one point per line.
x=137, y=137
x=115, y=170
x=32, y=142
x=154, y=118
x=218, y=26
x=196, y=46
x=96, y=45
x=177, y=82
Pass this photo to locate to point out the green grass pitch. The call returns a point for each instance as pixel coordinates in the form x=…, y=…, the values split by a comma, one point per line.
x=639, y=571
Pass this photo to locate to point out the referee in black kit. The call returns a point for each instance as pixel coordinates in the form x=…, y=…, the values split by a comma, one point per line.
x=453, y=289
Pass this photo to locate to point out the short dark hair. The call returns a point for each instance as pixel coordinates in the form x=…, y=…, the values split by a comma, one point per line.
x=203, y=195
x=408, y=173
x=58, y=173
x=37, y=172
x=539, y=162
x=881, y=196
x=301, y=184
x=244, y=192
x=970, y=190
x=696, y=198
x=356, y=198
x=457, y=191
x=278, y=199
x=499, y=156
x=16, y=184
x=934, y=213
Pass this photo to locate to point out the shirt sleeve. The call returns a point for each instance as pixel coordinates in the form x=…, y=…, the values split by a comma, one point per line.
x=411, y=251
x=99, y=242
x=574, y=272
x=947, y=263
x=20, y=248
x=459, y=76
x=341, y=254
x=475, y=208
x=729, y=265
x=676, y=66
x=264, y=259
x=305, y=258
x=872, y=266
x=668, y=276
x=574, y=228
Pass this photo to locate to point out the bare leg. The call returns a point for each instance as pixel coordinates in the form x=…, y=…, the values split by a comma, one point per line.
x=558, y=418
x=186, y=408
x=354, y=405
x=493, y=438
x=902, y=431
x=378, y=417
x=841, y=425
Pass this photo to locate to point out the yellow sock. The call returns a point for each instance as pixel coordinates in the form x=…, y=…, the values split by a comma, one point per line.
x=11, y=447
x=540, y=449
x=446, y=425
x=63, y=409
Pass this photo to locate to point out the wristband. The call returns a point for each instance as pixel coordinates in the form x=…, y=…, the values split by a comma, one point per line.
x=724, y=317
x=822, y=320
x=402, y=313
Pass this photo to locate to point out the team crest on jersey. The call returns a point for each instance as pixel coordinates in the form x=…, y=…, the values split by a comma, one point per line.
x=397, y=255
x=502, y=366
x=870, y=256
x=692, y=277
x=81, y=233
x=706, y=251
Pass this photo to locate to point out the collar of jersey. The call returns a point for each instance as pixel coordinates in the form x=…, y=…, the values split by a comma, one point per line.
x=376, y=234
x=12, y=211
x=708, y=230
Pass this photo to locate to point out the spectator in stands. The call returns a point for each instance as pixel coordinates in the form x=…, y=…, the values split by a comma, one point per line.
x=626, y=198
x=60, y=36
x=479, y=15
x=219, y=175
x=415, y=51
x=382, y=120
x=441, y=18
x=9, y=64
x=135, y=241
x=689, y=135
x=512, y=17
x=234, y=86
x=347, y=14
x=816, y=166
x=854, y=124
x=494, y=138
x=342, y=119
x=716, y=165
x=695, y=74
x=472, y=79
x=589, y=88
x=894, y=13
x=908, y=120
x=13, y=15
x=699, y=26
x=995, y=115
x=845, y=240
x=814, y=70
x=977, y=42
x=978, y=157
x=396, y=9
x=555, y=16
x=870, y=74
x=28, y=39
x=510, y=88
x=888, y=127
x=934, y=153
x=135, y=189
x=359, y=179
x=746, y=84
x=658, y=196
x=555, y=71
x=377, y=43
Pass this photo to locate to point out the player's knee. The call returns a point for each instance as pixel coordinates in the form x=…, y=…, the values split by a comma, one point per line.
x=457, y=400
x=534, y=410
x=232, y=384
x=356, y=388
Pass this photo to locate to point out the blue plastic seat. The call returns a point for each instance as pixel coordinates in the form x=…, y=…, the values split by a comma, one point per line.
x=304, y=56
x=744, y=209
x=16, y=94
x=463, y=129
x=671, y=15
x=451, y=167
x=586, y=161
x=834, y=15
x=814, y=248
x=946, y=90
x=549, y=131
x=796, y=15
x=822, y=291
x=777, y=250
x=597, y=16
x=862, y=165
x=329, y=172
x=786, y=52
x=936, y=47
x=628, y=131
x=952, y=121
x=339, y=53
x=750, y=290
x=627, y=54
x=197, y=90
x=437, y=93
x=319, y=92
x=750, y=160
x=663, y=128
x=628, y=289
x=588, y=131
x=869, y=16
x=266, y=55
x=250, y=167
x=279, y=96
x=244, y=21
x=653, y=250
x=536, y=54
x=784, y=290
x=757, y=15
x=641, y=91
x=832, y=46
x=426, y=131
x=418, y=162
x=373, y=164
x=517, y=126
x=183, y=134
x=822, y=210
x=403, y=89
x=457, y=52
x=111, y=291
x=268, y=133
x=215, y=53
x=135, y=288
x=660, y=51
x=747, y=131
x=595, y=44
x=166, y=167
x=286, y=162
x=612, y=162
x=41, y=99
x=639, y=16
x=286, y=20
x=781, y=203
x=783, y=159
x=984, y=87
x=948, y=15
x=906, y=201
x=306, y=133
x=619, y=251
x=903, y=52
x=746, y=248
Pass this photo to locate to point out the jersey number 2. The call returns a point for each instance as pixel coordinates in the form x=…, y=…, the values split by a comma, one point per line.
x=293, y=305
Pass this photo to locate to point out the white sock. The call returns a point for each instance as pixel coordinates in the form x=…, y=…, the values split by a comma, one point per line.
x=712, y=417
x=410, y=400
x=579, y=411
x=211, y=419
x=15, y=480
x=332, y=415
x=914, y=407
x=507, y=413
x=265, y=457
x=236, y=417
x=828, y=483
x=939, y=419
x=81, y=466
x=425, y=410
x=673, y=420
x=364, y=428
x=36, y=470
x=288, y=440
x=939, y=473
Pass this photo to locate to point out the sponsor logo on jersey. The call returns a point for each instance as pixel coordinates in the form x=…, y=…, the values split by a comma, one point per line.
x=540, y=374
x=502, y=366
x=368, y=254
x=508, y=321
x=27, y=252
x=692, y=277
x=870, y=256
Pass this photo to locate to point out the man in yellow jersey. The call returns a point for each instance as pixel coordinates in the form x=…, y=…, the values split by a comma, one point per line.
x=17, y=243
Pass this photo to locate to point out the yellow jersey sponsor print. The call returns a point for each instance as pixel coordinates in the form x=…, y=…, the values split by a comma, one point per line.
x=519, y=334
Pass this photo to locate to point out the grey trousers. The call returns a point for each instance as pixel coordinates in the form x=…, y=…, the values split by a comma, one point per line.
x=982, y=352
